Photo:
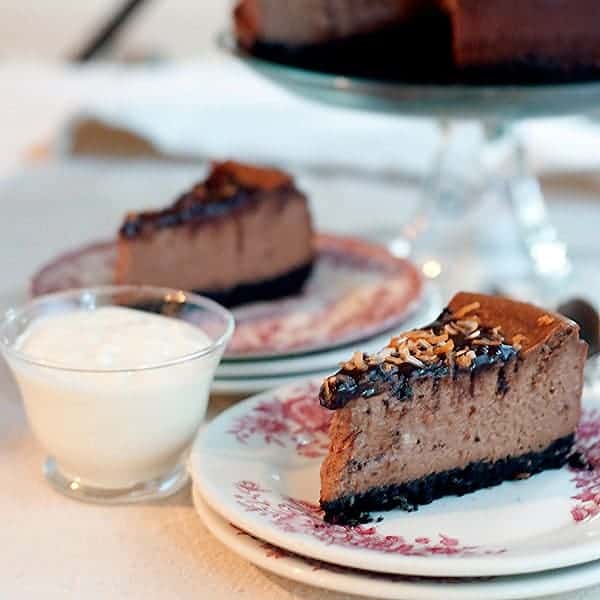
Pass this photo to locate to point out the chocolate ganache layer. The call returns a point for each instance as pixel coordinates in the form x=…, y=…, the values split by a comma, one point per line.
x=454, y=342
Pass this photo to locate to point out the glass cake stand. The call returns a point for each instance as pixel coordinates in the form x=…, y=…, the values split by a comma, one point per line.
x=481, y=162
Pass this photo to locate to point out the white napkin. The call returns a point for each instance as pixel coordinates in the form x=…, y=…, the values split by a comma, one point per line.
x=216, y=107
x=219, y=108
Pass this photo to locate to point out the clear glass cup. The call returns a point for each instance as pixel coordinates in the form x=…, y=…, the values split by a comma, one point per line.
x=117, y=435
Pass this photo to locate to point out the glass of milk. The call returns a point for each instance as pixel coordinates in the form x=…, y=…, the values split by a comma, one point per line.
x=115, y=381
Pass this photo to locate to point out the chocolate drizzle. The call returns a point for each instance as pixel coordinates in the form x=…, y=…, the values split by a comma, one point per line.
x=229, y=188
x=473, y=348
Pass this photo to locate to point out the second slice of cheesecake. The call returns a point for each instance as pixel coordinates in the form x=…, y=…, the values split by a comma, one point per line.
x=244, y=234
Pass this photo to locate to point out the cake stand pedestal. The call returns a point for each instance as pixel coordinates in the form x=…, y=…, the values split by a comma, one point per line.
x=481, y=165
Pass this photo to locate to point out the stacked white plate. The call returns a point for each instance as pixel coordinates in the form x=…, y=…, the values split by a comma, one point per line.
x=256, y=483
x=357, y=295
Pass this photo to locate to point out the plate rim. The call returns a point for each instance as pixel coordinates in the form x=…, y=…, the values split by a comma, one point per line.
x=296, y=568
x=416, y=295
x=430, y=307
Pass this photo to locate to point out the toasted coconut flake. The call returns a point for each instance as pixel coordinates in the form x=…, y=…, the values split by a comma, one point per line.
x=545, y=320
x=418, y=334
x=402, y=352
x=444, y=348
x=397, y=341
x=438, y=339
x=395, y=360
x=413, y=360
x=387, y=366
x=450, y=329
x=358, y=358
x=466, y=326
x=465, y=310
x=518, y=340
x=377, y=359
x=423, y=345
x=356, y=363
x=463, y=361
x=466, y=360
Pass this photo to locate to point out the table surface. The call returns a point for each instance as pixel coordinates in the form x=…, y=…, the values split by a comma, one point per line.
x=54, y=547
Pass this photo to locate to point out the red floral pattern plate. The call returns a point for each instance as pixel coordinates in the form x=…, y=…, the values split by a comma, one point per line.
x=393, y=587
x=357, y=290
x=258, y=464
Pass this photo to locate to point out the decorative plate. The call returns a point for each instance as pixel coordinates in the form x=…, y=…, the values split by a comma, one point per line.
x=392, y=587
x=245, y=377
x=357, y=290
x=427, y=312
x=257, y=465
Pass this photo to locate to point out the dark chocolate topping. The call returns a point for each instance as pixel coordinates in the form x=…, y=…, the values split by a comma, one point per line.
x=455, y=342
x=229, y=187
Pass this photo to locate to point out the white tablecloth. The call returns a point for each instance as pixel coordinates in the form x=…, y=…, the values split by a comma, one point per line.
x=58, y=549
x=215, y=107
x=55, y=548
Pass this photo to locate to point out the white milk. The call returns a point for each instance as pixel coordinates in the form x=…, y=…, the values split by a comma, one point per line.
x=111, y=428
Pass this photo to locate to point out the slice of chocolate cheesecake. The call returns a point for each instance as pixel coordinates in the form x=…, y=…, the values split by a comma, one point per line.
x=491, y=391
x=244, y=234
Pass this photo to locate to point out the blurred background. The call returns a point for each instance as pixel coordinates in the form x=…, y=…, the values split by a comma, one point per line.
x=55, y=29
x=139, y=120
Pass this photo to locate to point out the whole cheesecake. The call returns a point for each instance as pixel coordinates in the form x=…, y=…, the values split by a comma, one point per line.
x=475, y=40
x=244, y=234
x=304, y=22
x=491, y=391
x=560, y=37
x=372, y=38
